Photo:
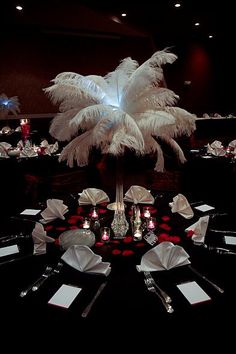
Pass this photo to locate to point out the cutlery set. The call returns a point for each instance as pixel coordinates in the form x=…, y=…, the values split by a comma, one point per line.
x=49, y=271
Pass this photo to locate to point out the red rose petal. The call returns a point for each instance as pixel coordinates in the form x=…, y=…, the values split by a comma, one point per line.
x=140, y=244
x=165, y=227
x=116, y=252
x=165, y=218
x=48, y=227
x=61, y=228
x=190, y=233
x=126, y=253
x=128, y=239
x=99, y=244
x=73, y=227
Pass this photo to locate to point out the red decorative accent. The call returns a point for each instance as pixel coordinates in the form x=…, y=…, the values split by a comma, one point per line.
x=102, y=211
x=57, y=243
x=175, y=239
x=99, y=244
x=79, y=210
x=165, y=218
x=153, y=210
x=190, y=233
x=140, y=244
x=165, y=227
x=48, y=227
x=163, y=237
x=73, y=227
x=116, y=252
x=72, y=221
x=116, y=242
x=127, y=253
x=61, y=228
x=128, y=239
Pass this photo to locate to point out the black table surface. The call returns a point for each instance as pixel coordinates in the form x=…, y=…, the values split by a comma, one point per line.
x=125, y=311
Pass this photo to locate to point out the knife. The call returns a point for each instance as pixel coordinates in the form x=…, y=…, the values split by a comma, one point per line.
x=206, y=279
x=89, y=306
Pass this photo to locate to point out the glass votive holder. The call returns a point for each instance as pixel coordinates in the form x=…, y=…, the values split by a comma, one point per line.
x=94, y=213
x=146, y=212
x=86, y=223
x=151, y=223
x=105, y=234
x=137, y=234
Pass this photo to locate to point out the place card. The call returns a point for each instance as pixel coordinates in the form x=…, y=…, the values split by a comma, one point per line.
x=204, y=207
x=193, y=292
x=64, y=296
x=151, y=238
x=6, y=251
x=30, y=212
x=230, y=240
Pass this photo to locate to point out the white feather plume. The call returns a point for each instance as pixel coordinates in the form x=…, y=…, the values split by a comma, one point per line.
x=126, y=108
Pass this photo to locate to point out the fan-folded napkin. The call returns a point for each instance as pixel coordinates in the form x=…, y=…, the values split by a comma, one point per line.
x=199, y=229
x=164, y=256
x=55, y=209
x=40, y=239
x=4, y=148
x=93, y=196
x=49, y=148
x=85, y=260
x=216, y=148
x=138, y=194
x=181, y=205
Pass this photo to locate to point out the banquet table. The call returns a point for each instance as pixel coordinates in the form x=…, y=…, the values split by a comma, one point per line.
x=125, y=310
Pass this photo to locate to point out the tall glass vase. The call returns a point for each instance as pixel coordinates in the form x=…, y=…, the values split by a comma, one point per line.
x=119, y=224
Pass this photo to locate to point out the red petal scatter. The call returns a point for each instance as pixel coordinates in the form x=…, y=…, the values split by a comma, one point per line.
x=175, y=239
x=74, y=227
x=79, y=210
x=102, y=211
x=140, y=244
x=99, y=244
x=163, y=237
x=190, y=233
x=116, y=252
x=48, y=227
x=115, y=242
x=128, y=239
x=165, y=218
x=57, y=242
x=126, y=253
x=72, y=221
x=153, y=210
x=61, y=228
x=165, y=227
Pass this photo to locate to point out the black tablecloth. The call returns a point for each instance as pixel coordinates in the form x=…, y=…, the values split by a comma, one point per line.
x=125, y=310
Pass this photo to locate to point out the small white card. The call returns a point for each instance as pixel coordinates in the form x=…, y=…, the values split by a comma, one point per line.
x=64, y=296
x=151, y=238
x=30, y=212
x=230, y=240
x=193, y=292
x=204, y=207
x=6, y=251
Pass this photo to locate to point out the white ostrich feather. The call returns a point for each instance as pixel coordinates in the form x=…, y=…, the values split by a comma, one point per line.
x=59, y=127
x=126, y=108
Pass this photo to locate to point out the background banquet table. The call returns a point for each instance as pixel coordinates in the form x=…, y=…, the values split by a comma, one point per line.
x=125, y=308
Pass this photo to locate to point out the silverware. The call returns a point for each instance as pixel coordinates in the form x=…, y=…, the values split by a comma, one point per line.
x=206, y=279
x=46, y=275
x=89, y=306
x=151, y=288
x=151, y=281
x=223, y=231
x=6, y=239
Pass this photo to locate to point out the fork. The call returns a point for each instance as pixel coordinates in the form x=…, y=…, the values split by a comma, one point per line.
x=45, y=276
x=46, y=273
x=151, y=288
x=152, y=282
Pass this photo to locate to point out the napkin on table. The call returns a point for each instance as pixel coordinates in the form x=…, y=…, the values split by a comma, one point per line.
x=55, y=209
x=181, y=205
x=138, y=194
x=216, y=148
x=82, y=258
x=40, y=239
x=199, y=229
x=93, y=196
x=164, y=256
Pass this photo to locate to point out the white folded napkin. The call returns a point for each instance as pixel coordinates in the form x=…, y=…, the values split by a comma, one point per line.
x=216, y=148
x=93, y=196
x=181, y=205
x=82, y=258
x=199, y=229
x=40, y=239
x=28, y=152
x=138, y=194
x=49, y=148
x=4, y=147
x=232, y=144
x=164, y=256
x=55, y=209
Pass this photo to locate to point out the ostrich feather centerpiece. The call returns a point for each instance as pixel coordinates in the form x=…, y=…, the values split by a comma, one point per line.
x=127, y=108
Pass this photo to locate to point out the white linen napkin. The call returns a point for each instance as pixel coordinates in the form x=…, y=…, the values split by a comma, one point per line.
x=4, y=147
x=55, y=209
x=181, y=205
x=49, y=148
x=216, y=148
x=82, y=258
x=164, y=256
x=138, y=194
x=199, y=229
x=93, y=196
x=40, y=239
x=232, y=144
x=28, y=152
